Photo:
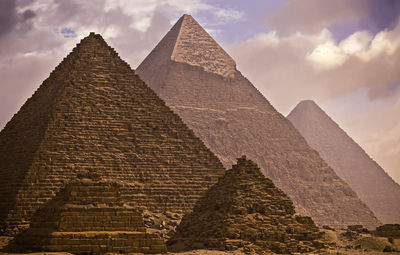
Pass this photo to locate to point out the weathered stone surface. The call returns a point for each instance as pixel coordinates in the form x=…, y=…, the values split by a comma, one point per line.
x=371, y=183
x=94, y=113
x=388, y=230
x=233, y=118
x=244, y=208
x=87, y=216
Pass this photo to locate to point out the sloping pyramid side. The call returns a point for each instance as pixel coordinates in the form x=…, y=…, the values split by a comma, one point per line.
x=244, y=208
x=94, y=113
x=371, y=183
x=233, y=118
x=88, y=216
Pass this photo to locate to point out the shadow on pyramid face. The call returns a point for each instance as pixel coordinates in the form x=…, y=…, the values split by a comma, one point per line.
x=244, y=209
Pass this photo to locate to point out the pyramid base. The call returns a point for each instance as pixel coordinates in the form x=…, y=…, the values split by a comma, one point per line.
x=286, y=247
x=98, y=242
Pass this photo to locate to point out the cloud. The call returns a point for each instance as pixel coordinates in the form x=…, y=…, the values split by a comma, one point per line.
x=36, y=35
x=382, y=14
x=363, y=68
x=291, y=68
x=142, y=10
x=65, y=31
x=10, y=17
x=311, y=16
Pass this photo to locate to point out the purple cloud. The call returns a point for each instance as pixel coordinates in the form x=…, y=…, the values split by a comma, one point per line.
x=9, y=17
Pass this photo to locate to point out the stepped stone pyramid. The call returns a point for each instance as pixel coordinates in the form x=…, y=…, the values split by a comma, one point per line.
x=233, y=118
x=244, y=208
x=88, y=216
x=371, y=183
x=94, y=113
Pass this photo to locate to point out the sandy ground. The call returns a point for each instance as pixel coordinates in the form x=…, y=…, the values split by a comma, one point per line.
x=354, y=244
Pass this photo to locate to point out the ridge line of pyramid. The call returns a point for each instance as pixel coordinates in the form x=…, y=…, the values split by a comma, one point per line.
x=179, y=23
x=195, y=46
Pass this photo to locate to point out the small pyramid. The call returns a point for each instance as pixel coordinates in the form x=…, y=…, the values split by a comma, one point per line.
x=93, y=113
x=233, y=118
x=88, y=216
x=371, y=183
x=245, y=208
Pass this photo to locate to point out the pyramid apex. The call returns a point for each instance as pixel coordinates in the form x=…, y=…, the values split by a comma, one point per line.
x=187, y=17
x=307, y=104
x=306, y=109
x=194, y=46
x=307, y=101
x=188, y=42
x=93, y=35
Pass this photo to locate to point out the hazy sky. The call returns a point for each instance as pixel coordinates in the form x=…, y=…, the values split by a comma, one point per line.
x=343, y=54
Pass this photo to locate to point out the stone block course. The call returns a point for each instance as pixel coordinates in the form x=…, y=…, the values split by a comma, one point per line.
x=70, y=224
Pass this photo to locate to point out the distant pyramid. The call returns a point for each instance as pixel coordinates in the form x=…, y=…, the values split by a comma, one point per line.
x=89, y=216
x=244, y=208
x=349, y=160
x=94, y=113
x=227, y=112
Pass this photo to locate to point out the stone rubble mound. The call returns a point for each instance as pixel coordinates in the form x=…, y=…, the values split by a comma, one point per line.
x=246, y=209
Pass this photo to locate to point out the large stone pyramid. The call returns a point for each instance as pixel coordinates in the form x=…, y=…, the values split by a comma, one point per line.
x=94, y=113
x=244, y=208
x=371, y=183
x=199, y=81
x=88, y=216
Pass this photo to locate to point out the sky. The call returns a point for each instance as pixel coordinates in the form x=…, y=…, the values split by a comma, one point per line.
x=343, y=54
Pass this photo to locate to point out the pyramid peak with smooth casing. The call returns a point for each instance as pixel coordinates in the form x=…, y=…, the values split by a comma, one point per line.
x=245, y=208
x=233, y=118
x=94, y=113
x=371, y=183
x=188, y=42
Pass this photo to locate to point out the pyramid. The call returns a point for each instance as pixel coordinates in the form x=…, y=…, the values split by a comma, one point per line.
x=94, y=113
x=371, y=183
x=233, y=118
x=88, y=216
x=244, y=208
